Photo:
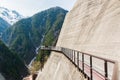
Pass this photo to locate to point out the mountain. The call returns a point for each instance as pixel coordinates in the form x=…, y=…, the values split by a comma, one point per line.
x=11, y=66
x=3, y=26
x=27, y=34
x=11, y=16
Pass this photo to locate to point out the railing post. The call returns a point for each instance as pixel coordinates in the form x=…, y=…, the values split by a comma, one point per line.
x=91, y=73
x=83, y=63
x=66, y=52
x=106, y=70
x=74, y=56
x=115, y=72
x=78, y=59
x=70, y=55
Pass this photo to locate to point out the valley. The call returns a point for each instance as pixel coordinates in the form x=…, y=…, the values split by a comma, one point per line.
x=26, y=35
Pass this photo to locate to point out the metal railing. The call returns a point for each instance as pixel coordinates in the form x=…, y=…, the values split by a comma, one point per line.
x=87, y=67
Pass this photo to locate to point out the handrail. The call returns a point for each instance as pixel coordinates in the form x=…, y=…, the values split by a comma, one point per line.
x=87, y=70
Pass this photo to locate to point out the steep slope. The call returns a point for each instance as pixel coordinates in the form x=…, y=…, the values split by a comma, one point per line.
x=58, y=67
x=11, y=16
x=3, y=25
x=96, y=28
x=11, y=66
x=1, y=77
x=27, y=34
x=92, y=26
x=50, y=39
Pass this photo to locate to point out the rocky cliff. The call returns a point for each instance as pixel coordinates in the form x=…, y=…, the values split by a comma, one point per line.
x=92, y=26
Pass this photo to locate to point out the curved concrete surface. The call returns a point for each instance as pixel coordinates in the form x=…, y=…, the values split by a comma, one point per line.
x=92, y=26
x=58, y=67
x=1, y=77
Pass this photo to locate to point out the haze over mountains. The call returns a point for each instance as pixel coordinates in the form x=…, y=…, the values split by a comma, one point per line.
x=11, y=16
x=8, y=18
x=3, y=25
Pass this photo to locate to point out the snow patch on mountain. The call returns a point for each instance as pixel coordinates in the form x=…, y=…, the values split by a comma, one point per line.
x=11, y=16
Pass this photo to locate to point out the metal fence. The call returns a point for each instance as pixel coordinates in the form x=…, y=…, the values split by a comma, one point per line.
x=86, y=64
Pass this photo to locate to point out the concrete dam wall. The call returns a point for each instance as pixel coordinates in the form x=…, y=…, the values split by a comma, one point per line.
x=58, y=67
x=92, y=26
x=1, y=77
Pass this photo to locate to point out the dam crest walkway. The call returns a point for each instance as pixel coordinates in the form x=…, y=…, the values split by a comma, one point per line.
x=91, y=66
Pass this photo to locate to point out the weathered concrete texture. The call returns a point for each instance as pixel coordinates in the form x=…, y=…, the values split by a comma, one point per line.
x=58, y=67
x=93, y=26
x=1, y=77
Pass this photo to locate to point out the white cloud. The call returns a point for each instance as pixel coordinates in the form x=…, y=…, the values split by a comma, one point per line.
x=30, y=7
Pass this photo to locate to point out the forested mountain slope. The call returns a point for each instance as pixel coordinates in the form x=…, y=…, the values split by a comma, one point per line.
x=27, y=34
x=11, y=65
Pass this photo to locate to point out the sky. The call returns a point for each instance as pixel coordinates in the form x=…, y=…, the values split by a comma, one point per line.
x=30, y=7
